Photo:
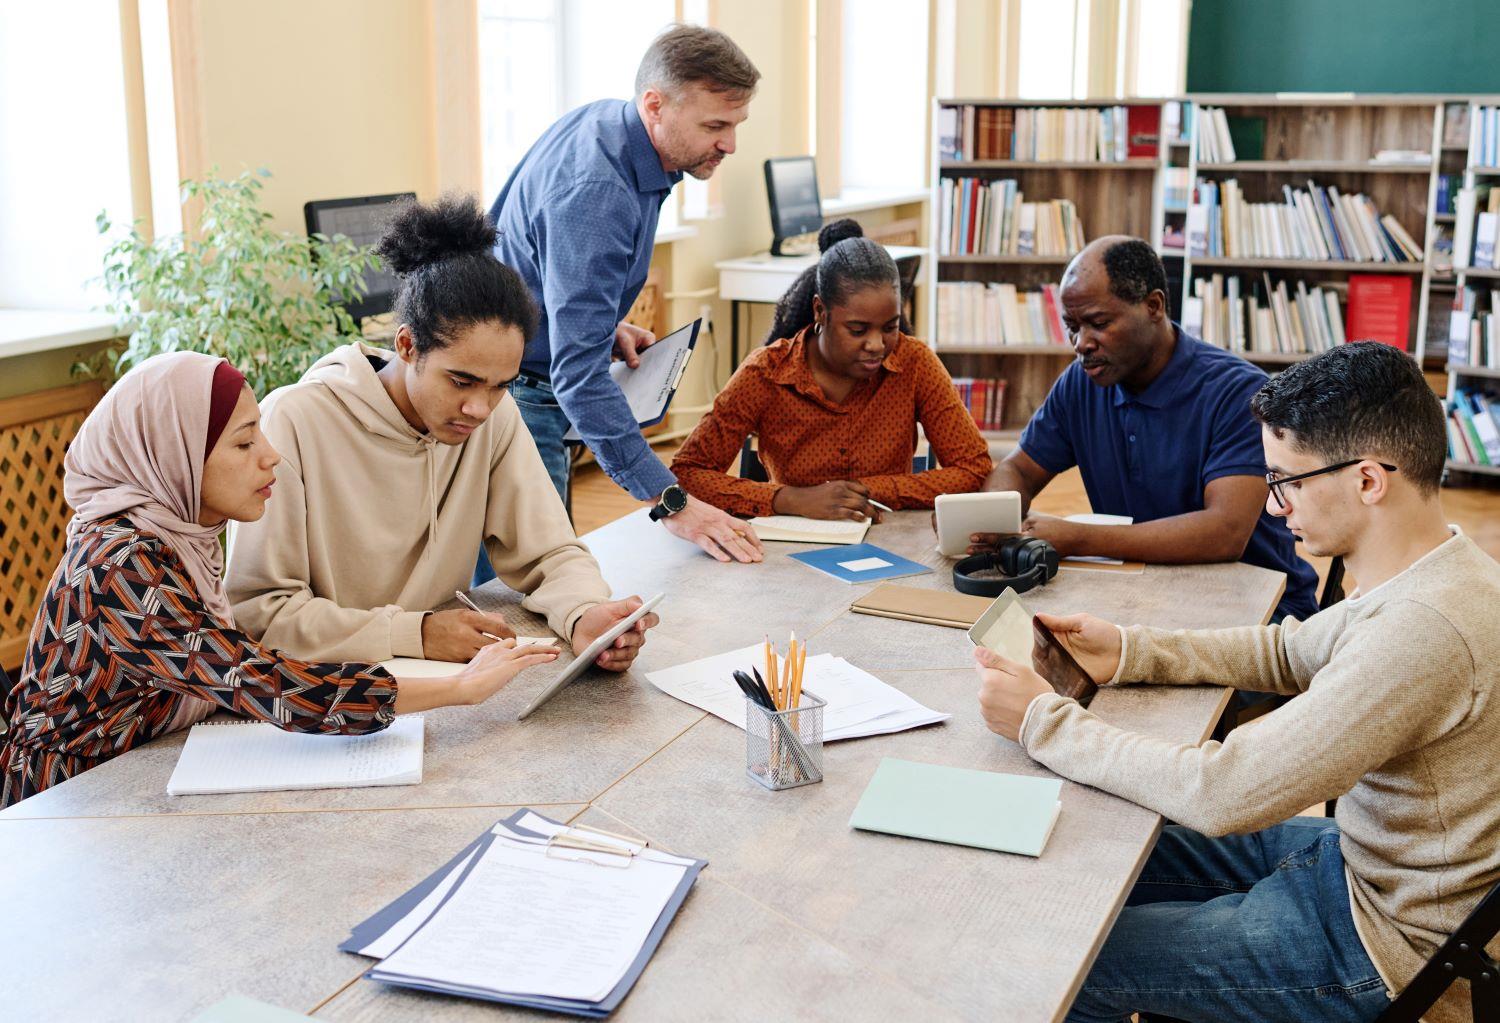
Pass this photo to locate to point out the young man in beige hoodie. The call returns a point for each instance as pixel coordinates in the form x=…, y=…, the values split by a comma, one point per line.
x=397, y=466
x=1241, y=913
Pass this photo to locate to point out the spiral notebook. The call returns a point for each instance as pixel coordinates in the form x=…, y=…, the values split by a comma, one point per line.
x=254, y=756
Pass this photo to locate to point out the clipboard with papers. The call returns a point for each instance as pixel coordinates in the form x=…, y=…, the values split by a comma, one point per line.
x=650, y=387
x=531, y=887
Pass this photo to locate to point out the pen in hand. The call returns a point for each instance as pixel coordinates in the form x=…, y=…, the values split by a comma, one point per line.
x=464, y=599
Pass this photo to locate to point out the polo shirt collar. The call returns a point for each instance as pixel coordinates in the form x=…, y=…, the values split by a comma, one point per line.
x=1162, y=391
x=644, y=160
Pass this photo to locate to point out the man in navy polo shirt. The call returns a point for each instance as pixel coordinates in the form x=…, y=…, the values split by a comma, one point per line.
x=577, y=220
x=1159, y=426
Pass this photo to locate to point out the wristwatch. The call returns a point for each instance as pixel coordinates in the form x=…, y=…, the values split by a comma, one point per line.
x=673, y=500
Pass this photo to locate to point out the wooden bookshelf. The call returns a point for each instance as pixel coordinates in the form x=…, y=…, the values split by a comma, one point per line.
x=1110, y=197
x=1475, y=467
x=1327, y=265
x=1313, y=167
x=1332, y=140
x=1459, y=370
x=964, y=167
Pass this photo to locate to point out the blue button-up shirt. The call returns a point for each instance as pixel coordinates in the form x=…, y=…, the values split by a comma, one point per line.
x=1150, y=455
x=577, y=220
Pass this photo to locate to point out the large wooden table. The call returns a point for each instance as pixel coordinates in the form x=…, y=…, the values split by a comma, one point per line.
x=121, y=902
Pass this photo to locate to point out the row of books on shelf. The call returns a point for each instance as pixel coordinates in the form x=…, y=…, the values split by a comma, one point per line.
x=1271, y=319
x=1474, y=428
x=984, y=398
x=1073, y=134
x=992, y=218
x=1177, y=188
x=1474, y=336
x=973, y=313
x=1476, y=223
x=1255, y=315
x=1484, y=137
x=1314, y=223
x=1214, y=144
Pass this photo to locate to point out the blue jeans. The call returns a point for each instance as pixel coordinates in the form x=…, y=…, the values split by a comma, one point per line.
x=1247, y=927
x=544, y=417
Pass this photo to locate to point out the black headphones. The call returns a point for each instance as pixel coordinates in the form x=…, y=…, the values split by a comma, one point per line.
x=1023, y=561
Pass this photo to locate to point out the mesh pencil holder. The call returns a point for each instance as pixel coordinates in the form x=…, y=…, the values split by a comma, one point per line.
x=784, y=748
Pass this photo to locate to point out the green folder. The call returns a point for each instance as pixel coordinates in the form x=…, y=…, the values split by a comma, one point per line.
x=1005, y=812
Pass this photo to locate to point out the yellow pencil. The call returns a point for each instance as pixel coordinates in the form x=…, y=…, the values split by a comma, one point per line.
x=771, y=670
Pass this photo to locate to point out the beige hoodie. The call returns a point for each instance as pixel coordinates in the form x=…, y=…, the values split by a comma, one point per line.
x=372, y=524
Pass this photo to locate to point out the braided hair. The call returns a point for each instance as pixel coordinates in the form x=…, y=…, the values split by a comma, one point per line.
x=443, y=253
x=849, y=261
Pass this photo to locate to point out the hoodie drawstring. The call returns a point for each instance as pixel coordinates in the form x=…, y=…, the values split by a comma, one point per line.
x=429, y=447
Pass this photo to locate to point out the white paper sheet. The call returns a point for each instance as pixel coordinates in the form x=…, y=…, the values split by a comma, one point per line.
x=1100, y=519
x=859, y=704
x=527, y=923
x=864, y=564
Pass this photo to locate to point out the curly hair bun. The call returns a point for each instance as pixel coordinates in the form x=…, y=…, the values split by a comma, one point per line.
x=833, y=233
x=423, y=234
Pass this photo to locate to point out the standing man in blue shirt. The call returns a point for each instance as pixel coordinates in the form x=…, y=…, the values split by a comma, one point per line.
x=578, y=219
x=1160, y=428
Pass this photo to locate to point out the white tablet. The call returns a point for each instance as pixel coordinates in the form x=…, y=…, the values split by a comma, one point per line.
x=959, y=515
x=582, y=662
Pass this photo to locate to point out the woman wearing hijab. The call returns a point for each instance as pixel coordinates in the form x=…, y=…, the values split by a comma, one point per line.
x=135, y=637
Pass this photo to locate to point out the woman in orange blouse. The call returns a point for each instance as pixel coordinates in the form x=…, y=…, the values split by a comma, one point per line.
x=836, y=408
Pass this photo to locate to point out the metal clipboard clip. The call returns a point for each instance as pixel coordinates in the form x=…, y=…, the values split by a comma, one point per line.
x=574, y=843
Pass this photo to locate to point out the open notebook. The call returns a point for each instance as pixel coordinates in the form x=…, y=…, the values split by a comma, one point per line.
x=796, y=529
x=254, y=756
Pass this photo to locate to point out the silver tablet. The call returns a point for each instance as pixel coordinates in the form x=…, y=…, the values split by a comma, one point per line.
x=1005, y=627
x=959, y=515
x=582, y=662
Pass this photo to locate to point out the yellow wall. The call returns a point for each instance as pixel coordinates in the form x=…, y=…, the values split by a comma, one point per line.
x=333, y=96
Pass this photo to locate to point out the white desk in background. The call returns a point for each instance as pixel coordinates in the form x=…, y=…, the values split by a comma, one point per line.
x=764, y=278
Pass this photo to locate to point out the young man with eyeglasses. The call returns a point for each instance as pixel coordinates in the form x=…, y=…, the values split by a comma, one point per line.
x=1244, y=912
x=1158, y=424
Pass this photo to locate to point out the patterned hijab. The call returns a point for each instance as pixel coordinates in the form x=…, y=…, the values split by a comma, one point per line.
x=140, y=453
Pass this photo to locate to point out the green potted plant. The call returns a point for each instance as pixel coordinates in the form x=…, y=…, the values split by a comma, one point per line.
x=265, y=300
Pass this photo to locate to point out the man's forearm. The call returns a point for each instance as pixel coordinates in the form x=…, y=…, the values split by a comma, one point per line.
x=1005, y=476
x=1193, y=538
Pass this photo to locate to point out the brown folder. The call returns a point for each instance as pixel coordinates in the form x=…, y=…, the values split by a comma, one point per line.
x=931, y=607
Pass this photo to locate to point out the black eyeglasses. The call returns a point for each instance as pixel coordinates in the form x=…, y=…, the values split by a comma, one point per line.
x=1276, y=482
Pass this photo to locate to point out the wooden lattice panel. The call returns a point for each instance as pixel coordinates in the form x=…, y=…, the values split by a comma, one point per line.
x=648, y=308
x=35, y=431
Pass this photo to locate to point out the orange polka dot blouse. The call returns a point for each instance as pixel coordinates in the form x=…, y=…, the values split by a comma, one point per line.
x=806, y=439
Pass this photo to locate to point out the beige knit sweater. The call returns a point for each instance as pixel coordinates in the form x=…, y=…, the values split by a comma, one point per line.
x=1395, y=713
x=372, y=524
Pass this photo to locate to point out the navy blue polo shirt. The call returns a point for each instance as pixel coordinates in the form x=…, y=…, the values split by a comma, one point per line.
x=1149, y=455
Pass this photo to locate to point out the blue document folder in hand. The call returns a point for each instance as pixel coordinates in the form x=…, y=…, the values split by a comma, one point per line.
x=1005, y=812
x=860, y=563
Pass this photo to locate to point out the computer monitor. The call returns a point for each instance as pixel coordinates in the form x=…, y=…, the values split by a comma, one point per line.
x=792, y=188
x=362, y=219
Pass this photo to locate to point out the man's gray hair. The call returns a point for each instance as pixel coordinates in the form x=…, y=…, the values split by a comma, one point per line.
x=692, y=53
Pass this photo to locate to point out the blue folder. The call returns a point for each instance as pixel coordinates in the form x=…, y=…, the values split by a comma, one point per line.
x=372, y=928
x=830, y=560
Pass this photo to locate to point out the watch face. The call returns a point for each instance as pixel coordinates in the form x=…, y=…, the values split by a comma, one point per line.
x=674, y=498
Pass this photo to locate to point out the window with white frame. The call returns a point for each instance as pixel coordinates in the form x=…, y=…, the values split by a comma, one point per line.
x=63, y=152
x=538, y=59
x=1052, y=49
x=1158, y=29
x=883, y=98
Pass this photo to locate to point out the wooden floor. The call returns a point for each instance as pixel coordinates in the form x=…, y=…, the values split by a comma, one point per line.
x=1475, y=509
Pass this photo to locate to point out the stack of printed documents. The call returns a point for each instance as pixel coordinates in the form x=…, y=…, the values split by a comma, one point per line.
x=534, y=913
x=859, y=704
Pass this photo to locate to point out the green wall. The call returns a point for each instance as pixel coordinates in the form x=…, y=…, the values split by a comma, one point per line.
x=1344, y=46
